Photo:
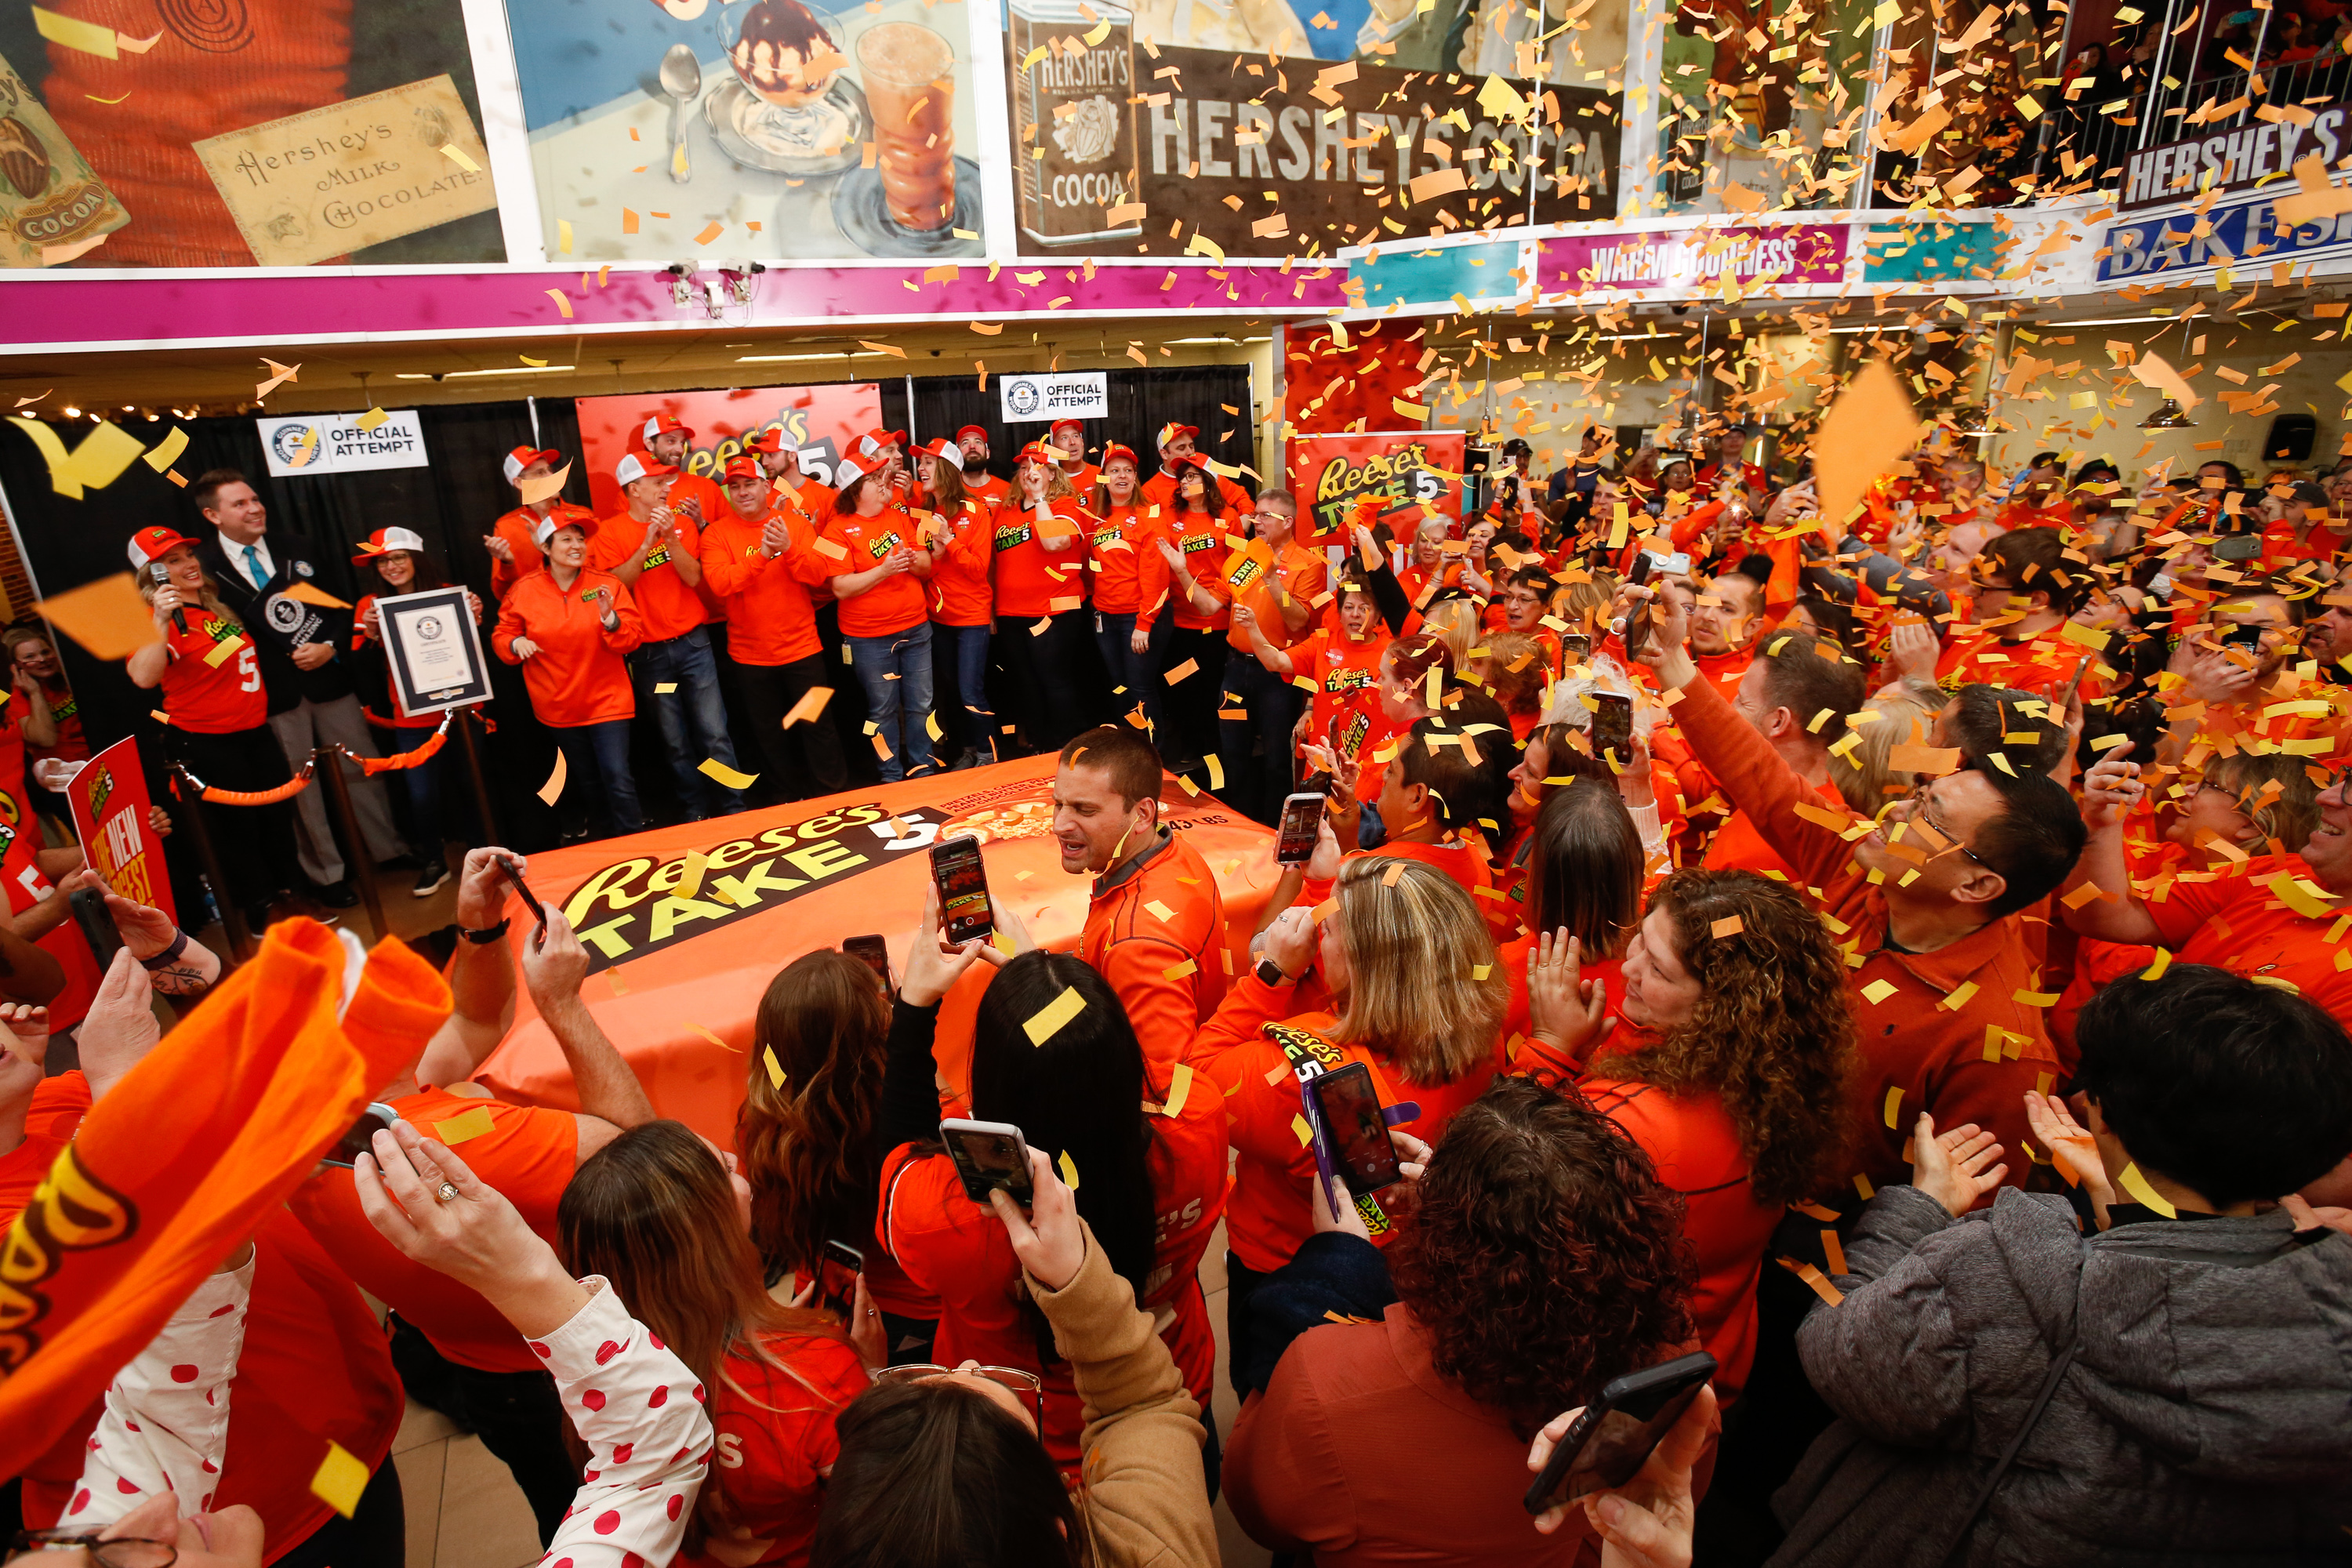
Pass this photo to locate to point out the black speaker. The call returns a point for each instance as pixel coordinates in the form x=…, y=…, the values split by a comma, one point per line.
x=2290, y=438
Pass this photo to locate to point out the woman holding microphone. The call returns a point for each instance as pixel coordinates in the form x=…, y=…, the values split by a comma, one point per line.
x=568, y=625
x=217, y=717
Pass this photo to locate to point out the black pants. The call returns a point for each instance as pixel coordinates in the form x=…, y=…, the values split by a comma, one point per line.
x=375, y=1536
x=1256, y=750
x=806, y=759
x=1191, y=702
x=518, y=1415
x=255, y=843
x=1043, y=670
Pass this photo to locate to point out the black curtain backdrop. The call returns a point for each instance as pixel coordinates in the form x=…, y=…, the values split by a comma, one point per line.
x=452, y=503
x=1141, y=401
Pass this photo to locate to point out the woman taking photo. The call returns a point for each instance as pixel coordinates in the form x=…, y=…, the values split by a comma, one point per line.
x=1040, y=577
x=1150, y=1181
x=1182, y=585
x=963, y=608
x=34, y=659
x=568, y=625
x=944, y=1468
x=807, y=1140
x=871, y=547
x=1120, y=535
x=657, y=1214
x=392, y=561
x=1583, y=872
x=217, y=717
x=1735, y=1073
x=1410, y=968
x=1543, y=1260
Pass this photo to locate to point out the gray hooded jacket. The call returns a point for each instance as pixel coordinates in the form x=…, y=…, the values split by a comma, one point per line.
x=2207, y=1418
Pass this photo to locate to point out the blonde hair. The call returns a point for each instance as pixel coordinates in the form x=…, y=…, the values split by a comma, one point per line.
x=1058, y=483
x=211, y=600
x=1582, y=602
x=1414, y=943
x=1457, y=621
x=1862, y=773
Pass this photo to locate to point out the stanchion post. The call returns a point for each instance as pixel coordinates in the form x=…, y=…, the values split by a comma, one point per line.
x=466, y=719
x=240, y=940
x=329, y=763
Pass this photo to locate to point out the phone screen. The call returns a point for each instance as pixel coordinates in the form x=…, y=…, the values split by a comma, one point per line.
x=1613, y=725
x=1302, y=818
x=361, y=1138
x=871, y=952
x=1359, y=1136
x=964, y=889
x=1577, y=647
x=1608, y=1444
x=1637, y=621
x=96, y=923
x=988, y=1157
x=522, y=889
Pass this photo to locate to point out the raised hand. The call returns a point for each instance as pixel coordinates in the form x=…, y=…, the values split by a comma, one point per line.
x=1952, y=1168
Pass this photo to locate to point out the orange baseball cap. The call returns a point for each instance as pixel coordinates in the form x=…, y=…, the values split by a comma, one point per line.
x=152, y=544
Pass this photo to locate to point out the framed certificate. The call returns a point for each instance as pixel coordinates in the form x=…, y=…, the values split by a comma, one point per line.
x=433, y=651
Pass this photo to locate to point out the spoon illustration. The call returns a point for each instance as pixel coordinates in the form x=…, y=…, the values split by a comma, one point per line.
x=681, y=78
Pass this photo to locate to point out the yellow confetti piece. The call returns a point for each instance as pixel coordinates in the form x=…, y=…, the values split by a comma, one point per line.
x=1480, y=970
x=90, y=40
x=1179, y=1090
x=341, y=1477
x=1184, y=970
x=1816, y=1279
x=1069, y=1172
x=1216, y=772
x=562, y=304
x=1729, y=925
x=689, y=881
x=711, y=1034
x=1955, y=1001
x=1306, y=1133
x=223, y=651
x=456, y=155
x=775, y=1067
x=2295, y=896
x=1834, y=1251
x=553, y=788
x=1048, y=1021
x=1862, y=1184
x=371, y=419
x=166, y=452
x=2132, y=1182
x=1894, y=1104
x=931, y=724
x=1159, y=911
x=664, y=687
x=2024, y=998
x=1183, y=672
x=473, y=1123
x=713, y=768
x=1878, y=991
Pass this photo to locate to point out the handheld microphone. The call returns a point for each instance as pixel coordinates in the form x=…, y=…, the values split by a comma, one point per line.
x=163, y=576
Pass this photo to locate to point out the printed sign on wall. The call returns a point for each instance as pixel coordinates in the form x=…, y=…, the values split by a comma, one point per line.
x=305, y=444
x=1026, y=398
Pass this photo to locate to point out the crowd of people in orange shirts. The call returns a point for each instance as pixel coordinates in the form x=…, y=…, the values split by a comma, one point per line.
x=1882, y=981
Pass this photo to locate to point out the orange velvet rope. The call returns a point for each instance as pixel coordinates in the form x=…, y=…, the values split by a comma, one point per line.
x=424, y=754
x=285, y=791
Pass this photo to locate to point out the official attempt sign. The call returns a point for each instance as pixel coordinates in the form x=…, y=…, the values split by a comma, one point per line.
x=109, y=798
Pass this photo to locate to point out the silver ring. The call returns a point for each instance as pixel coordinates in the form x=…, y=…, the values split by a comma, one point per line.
x=444, y=1192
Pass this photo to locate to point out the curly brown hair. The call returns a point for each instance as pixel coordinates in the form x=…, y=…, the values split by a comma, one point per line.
x=807, y=1144
x=1773, y=1032
x=1546, y=1257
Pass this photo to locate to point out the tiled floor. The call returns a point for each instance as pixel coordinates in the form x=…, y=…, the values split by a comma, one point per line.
x=463, y=1512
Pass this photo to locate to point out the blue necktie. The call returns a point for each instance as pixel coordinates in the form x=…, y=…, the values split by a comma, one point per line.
x=253, y=567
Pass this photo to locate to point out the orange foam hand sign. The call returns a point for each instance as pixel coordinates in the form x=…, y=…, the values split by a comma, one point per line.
x=173, y=1168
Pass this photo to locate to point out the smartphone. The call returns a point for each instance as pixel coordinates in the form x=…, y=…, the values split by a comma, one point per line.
x=2073, y=684
x=871, y=952
x=2237, y=547
x=988, y=1156
x=846, y=1256
x=1295, y=833
x=1674, y=565
x=1613, y=725
x=88, y=906
x=530, y=899
x=361, y=1140
x=1575, y=648
x=1637, y=621
x=1361, y=1149
x=838, y=1256
x=2249, y=637
x=1608, y=1444
x=962, y=881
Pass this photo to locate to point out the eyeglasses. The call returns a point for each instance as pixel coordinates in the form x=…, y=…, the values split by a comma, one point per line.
x=129, y=1551
x=1940, y=831
x=1027, y=1384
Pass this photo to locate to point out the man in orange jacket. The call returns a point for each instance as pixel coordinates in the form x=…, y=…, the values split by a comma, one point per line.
x=1156, y=923
x=513, y=555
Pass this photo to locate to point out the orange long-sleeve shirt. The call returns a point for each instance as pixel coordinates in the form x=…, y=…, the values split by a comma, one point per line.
x=960, y=593
x=670, y=606
x=1204, y=542
x=1298, y=578
x=578, y=676
x=1031, y=580
x=770, y=618
x=1168, y=972
x=1116, y=548
x=1929, y=1020
x=853, y=544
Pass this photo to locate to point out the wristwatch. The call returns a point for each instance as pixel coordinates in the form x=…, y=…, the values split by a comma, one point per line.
x=1269, y=973
x=489, y=934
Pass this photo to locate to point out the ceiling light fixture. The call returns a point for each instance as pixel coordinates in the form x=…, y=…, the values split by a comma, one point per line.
x=454, y=374
x=790, y=359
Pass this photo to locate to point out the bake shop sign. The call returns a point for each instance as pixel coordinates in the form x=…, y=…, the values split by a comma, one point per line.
x=1024, y=399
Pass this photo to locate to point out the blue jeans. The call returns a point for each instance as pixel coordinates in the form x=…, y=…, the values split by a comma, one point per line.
x=1129, y=669
x=974, y=723
x=896, y=708
x=687, y=664
x=1256, y=750
x=600, y=752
